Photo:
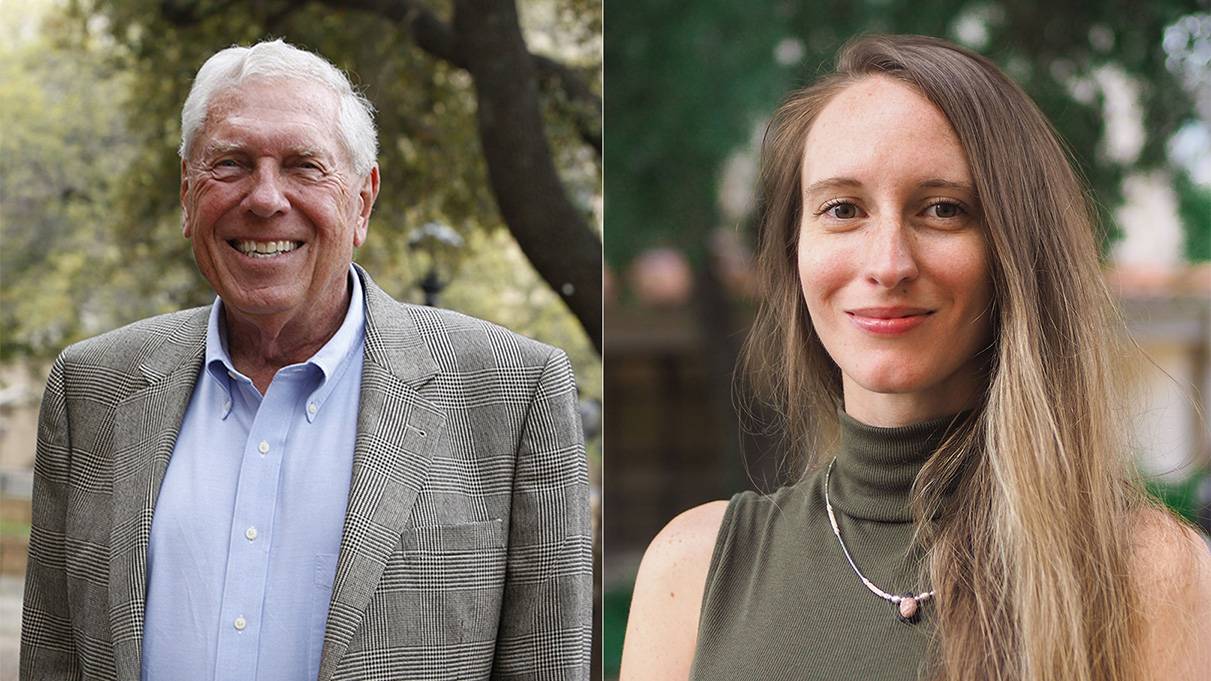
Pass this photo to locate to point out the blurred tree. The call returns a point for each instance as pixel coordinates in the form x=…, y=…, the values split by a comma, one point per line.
x=713, y=71
x=63, y=151
x=475, y=132
x=1194, y=207
x=691, y=86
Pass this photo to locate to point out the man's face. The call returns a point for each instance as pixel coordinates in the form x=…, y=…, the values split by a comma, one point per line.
x=270, y=201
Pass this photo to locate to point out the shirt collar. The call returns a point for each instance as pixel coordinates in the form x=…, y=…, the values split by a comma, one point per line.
x=332, y=359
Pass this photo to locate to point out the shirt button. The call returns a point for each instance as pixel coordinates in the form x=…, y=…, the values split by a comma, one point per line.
x=263, y=447
x=312, y=408
x=250, y=533
x=226, y=405
x=240, y=623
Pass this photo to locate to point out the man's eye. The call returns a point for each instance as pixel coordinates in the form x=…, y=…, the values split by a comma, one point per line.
x=227, y=163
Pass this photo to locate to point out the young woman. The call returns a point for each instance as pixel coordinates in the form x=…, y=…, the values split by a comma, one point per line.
x=935, y=330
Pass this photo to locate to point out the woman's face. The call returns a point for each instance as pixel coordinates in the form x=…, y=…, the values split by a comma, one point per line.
x=892, y=257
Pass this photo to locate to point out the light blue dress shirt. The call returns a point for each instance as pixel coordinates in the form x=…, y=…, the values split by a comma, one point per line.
x=247, y=526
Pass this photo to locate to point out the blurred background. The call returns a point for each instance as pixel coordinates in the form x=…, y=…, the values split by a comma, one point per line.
x=503, y=223
x=691, y=86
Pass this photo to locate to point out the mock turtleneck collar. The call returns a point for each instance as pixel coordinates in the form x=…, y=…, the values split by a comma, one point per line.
x=876, y=467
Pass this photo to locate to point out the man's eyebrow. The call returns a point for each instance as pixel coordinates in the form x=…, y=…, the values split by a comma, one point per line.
x=214, y=147
x=217, y=147
x=305, y=151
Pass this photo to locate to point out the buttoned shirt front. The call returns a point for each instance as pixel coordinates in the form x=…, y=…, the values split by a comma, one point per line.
x=247, y=526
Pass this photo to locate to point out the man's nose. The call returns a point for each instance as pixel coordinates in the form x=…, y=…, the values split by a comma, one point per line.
x=266, y=198
x=890, y=259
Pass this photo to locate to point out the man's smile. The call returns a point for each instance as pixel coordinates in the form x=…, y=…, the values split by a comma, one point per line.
x=264, y=249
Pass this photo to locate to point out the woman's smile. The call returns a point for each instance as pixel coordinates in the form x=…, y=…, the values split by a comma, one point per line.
x=888, y=321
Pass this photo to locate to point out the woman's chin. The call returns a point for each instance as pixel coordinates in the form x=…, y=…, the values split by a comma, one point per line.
x=892, y=381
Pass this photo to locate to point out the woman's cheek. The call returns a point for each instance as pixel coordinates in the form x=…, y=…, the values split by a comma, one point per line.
x=823, y=270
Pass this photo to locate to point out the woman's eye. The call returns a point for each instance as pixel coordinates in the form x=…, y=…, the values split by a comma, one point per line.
x=842, y=210
x=946, y=210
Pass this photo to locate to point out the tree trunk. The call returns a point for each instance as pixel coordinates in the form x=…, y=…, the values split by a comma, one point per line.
x=553, y=233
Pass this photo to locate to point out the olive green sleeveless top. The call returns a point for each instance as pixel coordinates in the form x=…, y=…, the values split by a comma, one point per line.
x=782, y=603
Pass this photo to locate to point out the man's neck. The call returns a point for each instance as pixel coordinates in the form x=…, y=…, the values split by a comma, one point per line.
x=259, y=346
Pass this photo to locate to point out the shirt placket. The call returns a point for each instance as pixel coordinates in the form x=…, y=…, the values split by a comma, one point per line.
x=247, y=572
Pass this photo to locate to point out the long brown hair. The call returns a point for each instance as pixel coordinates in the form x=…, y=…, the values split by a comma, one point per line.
x=1029, y=556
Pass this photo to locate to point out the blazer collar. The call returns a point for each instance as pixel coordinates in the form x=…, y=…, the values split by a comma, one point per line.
x=393, y=340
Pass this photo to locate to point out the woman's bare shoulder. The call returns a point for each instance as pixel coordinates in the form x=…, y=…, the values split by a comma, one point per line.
x=1172, y=572
x=1169, y=551
x=662, y=630
x=687, y=539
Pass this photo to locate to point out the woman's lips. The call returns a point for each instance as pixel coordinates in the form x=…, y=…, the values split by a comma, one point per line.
x=888, y=321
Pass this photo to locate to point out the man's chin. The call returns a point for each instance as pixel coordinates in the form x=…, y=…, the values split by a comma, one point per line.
x=259, y=304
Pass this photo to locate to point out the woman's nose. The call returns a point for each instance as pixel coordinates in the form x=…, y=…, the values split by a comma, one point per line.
x=890, y=260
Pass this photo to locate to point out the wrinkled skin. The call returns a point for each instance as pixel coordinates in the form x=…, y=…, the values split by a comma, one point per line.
x=268, y=165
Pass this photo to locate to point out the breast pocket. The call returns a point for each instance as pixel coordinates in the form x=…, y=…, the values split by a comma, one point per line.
x=445, y=583
x=321, y=595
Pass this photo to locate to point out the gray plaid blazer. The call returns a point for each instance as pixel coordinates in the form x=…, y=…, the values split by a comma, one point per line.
x=465, y=552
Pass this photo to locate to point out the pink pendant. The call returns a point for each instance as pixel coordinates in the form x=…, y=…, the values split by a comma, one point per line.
x=908, y=607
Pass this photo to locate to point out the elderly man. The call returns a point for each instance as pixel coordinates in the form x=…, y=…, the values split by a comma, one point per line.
x=305, y=479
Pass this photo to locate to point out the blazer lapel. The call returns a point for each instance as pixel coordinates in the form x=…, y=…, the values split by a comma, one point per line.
x=397, y=429
x=146, y=424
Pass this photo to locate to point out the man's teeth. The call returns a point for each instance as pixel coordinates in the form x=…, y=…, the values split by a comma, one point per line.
x=265, y=249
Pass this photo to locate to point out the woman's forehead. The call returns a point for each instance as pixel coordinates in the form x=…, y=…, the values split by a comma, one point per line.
x=881, y=128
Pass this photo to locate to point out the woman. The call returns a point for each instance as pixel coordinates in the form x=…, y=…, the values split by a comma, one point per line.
x=935, y=330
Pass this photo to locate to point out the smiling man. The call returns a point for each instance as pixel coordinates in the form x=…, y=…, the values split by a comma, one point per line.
x=306, y=479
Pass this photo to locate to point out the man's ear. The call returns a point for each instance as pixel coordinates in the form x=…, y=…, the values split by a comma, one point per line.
x=366, y=193
x=184, y=200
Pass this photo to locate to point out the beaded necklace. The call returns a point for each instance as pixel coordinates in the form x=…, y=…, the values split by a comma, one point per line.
x=908, y=605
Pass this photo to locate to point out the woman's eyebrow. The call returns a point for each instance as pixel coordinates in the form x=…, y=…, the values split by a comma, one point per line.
x=848, y=182
x=938, y=183
x=831, y=183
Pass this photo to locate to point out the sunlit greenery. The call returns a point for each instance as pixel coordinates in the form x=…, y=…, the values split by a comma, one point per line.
x=90, y=96
x=713, y=70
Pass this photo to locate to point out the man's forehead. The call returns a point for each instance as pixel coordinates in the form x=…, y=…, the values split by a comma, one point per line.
x=292, y=115
x=286, y=95
x=287, y=143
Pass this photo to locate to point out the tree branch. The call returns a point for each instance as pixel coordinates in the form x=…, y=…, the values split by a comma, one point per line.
x=551, y=231
x=434, y=36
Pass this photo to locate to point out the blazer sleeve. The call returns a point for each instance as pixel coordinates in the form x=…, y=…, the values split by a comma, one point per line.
x=546, y=615
x=47, y=649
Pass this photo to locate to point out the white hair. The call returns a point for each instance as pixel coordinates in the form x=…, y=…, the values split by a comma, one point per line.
x=277, y=59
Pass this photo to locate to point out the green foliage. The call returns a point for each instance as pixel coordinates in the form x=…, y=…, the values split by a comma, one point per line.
x=1194, y=208
x=616, y=606
x=1182, y=497
x=690, y=82
x=62, y=155
x=90, y=113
